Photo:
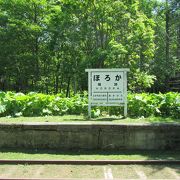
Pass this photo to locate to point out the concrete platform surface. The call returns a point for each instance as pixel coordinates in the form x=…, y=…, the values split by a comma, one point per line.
x=109, y=172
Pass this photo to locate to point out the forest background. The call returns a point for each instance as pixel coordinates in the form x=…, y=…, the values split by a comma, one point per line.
x=46, y=45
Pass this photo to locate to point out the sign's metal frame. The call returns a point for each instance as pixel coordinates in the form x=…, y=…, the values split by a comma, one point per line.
x=124, y=70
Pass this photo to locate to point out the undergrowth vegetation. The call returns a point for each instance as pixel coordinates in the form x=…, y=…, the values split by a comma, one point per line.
x=37, y=104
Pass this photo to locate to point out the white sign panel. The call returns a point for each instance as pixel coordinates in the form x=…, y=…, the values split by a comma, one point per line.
x=107, y=87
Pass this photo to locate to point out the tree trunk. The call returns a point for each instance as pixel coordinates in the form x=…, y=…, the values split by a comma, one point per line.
x=36, y=47
x=68, y=87
x=61, y=84
x=167, y=43
x=178, y=43
x=75, y=87
x=57, y=78
x=167, y=34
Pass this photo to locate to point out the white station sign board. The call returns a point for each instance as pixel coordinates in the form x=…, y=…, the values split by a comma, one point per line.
x=107, y=87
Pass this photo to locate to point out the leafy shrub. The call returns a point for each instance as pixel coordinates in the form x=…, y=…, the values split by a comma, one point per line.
x=141, y=81
x=37, y=104
x=144, y=104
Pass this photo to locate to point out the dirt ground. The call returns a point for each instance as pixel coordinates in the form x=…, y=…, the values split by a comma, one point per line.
x=108, y=172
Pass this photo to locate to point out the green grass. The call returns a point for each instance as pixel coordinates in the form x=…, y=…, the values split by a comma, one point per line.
x=87, y=171
x=82, y=119
x=87, y=155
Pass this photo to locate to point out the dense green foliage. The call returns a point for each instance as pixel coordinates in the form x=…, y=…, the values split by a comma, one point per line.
x=154, y=104
x=36, y=104
x=46, y=45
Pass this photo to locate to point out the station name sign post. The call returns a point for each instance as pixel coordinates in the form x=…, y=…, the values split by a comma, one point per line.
x=107, y=87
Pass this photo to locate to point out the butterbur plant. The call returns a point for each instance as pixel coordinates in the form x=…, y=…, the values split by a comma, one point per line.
x=37, y=104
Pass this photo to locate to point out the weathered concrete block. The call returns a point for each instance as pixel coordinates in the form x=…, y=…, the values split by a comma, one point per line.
x=90, y=136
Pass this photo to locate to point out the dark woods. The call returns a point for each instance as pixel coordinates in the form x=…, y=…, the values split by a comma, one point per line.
x=46, y=45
